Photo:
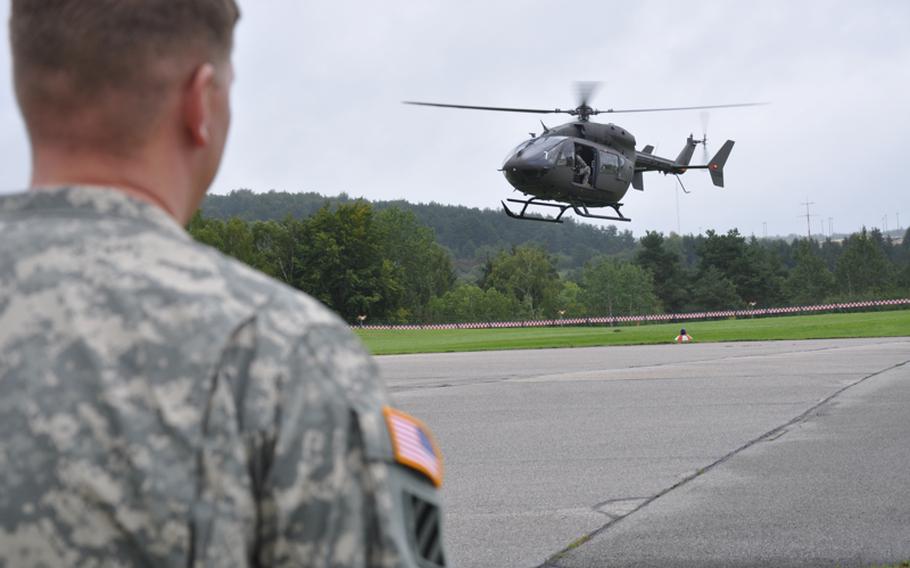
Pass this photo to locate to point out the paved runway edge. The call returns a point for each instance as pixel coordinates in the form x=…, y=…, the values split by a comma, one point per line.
x=553, y=561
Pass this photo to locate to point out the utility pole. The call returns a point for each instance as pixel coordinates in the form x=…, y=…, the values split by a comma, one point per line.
x=830, y=226
x=822, y=223
x=808, y=227
x=885, y=223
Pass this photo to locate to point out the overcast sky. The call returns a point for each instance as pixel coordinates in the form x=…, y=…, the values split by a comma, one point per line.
x=319, y=84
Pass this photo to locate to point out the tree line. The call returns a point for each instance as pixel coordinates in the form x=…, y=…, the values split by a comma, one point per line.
x=470, y=235
x=383, y=263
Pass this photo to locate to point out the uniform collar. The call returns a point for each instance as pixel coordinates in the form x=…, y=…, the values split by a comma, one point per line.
x=92, y=201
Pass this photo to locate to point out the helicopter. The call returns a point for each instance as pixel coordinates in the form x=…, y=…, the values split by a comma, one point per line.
x=584, y=165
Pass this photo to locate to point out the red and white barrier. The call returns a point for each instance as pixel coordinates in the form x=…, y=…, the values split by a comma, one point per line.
x=694, y=316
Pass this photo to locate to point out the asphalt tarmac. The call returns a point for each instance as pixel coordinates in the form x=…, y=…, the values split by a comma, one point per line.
x=726, y=454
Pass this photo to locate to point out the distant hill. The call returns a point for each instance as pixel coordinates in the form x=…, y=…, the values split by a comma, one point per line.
x=470, y=234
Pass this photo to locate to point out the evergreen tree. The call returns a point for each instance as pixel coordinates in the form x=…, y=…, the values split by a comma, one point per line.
x=755, y=273
x=830, y=252
x=670, y=279
x=713, y=291
x=903, y=263
x=764, y=283
x=863, y=269
x=810, y=281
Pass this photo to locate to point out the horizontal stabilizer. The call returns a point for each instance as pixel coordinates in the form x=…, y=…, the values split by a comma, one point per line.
x=716, y=165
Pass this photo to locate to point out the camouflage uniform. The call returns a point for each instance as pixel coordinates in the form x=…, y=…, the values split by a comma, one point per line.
x=582, y=170
x=164, y=405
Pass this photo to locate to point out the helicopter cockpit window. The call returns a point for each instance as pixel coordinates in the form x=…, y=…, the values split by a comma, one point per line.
x=566, y=155
x=546, y=148
x=537, y=149
x=520, y=148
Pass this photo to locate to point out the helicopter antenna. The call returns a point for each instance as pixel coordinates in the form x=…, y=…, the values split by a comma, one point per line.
x=545, y=129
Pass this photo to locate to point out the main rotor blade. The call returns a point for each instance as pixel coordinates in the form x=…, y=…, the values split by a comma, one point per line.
x=501, y=109
x=677, y=108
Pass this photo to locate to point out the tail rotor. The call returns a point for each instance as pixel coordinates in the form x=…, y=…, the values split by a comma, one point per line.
x=704, y=115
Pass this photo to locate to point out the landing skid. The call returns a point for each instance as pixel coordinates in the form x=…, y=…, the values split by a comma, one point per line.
x=580, y=210
x=526, y=203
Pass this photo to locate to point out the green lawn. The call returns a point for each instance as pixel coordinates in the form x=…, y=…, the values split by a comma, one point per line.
x=867, y=324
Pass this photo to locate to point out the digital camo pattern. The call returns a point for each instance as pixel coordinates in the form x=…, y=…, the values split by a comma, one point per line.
x=163, y=405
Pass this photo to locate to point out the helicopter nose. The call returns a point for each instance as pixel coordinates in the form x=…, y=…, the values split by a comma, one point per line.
x=517, y=164
x=513, y=164
x=522, y=172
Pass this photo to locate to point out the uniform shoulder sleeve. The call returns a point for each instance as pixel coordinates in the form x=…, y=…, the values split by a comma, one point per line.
x=336, y=490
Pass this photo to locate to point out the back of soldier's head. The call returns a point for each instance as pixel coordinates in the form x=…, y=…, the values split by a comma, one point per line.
x=91, y=73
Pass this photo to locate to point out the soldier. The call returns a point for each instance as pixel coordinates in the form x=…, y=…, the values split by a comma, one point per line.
x=582, y=170
x=162, y=404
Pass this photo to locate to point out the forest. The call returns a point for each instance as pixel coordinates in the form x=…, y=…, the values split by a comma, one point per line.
x=394, y=262
x=470, y=235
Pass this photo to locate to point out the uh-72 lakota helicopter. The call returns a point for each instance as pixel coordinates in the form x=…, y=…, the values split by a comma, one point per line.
x=583, y=165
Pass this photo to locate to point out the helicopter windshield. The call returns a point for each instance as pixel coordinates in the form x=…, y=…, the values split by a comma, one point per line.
x=542, y=147
x=536, y=149
x=519, y=148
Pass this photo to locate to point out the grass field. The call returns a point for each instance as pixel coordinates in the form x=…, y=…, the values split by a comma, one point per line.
x=827, y=326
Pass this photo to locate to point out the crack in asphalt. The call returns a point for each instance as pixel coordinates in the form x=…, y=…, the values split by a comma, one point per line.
x=631, y=504
x=553, y=560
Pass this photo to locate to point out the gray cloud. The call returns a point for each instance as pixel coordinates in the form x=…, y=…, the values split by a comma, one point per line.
x=319, y=85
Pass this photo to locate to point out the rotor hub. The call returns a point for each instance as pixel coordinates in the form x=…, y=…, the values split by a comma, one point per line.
x=584, y=112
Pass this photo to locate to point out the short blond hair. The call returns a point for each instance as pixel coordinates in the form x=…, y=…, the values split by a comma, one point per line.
x=109, y=58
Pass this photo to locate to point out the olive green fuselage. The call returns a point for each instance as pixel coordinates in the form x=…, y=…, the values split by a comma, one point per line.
x=547, y=167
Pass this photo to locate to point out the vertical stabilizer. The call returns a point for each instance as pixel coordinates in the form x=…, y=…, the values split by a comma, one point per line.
x=716, y=165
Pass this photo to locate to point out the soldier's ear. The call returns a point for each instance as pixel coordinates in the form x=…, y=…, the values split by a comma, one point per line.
x=197, y=104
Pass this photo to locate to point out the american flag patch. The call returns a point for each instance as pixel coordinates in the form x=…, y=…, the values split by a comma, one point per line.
x=413, y=444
